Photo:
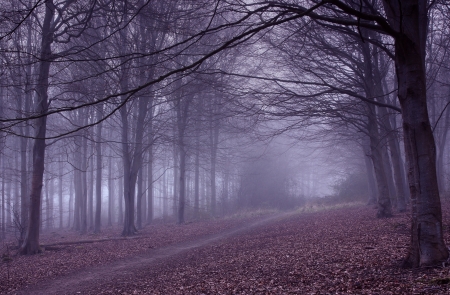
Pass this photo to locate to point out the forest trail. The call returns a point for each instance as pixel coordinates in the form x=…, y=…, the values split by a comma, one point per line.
x=338, y=251
x=81, y=281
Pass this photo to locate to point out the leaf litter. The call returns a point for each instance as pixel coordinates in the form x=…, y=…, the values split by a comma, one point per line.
x=339, y=251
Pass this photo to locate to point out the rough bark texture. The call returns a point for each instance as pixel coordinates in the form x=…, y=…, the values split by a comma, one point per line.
x=31, y=242
x=410, y=21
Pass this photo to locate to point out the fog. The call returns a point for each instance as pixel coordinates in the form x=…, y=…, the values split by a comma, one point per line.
x=129, y=113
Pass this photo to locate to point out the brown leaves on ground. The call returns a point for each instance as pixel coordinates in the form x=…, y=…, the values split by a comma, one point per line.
x=62, y=259
x=342, y=251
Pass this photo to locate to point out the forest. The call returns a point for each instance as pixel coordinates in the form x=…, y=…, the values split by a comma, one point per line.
x=118, y=116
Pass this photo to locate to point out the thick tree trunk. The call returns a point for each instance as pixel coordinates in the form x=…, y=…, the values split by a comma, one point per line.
x=24, y=200
x=129, y=181
x=31, y=242
x=427, y=245
x=129, y=178
x=132, y=162
x=182, y=113
x=25, y=130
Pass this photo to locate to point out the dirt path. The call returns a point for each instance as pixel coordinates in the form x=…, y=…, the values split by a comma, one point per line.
x=82, y=281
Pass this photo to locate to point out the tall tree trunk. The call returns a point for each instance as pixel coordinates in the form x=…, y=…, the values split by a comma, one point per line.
x=60, y=193
x=182, y=111
x=427, y=245
x=144, y=193
x=50, y=194
x=370, y=177
x=197, y=174
x=176, y=180
x=98, y=182
x=445, y=126
x=150, y=185
x=120, y=198
x=214, y=143
x=111, y=190
x=390, y=134
x=84, y=182
x=31, y=242
x=140, y=195
x=132, y=162
x=77, y=184
x=182, y=184
x=71, y=213
x=376, y=146
x=90, y=194
x=3, y=211
x=165, y=196
x=128, y=178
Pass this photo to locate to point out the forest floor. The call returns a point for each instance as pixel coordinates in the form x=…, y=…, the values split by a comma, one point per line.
x=343, y=250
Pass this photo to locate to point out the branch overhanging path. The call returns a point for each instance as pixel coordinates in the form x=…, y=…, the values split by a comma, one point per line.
x=284, y=14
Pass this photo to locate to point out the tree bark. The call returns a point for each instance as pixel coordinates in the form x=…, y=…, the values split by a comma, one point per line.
x=390, y=135
x=98, y=182
x=370, y=177
x=70, y=203
x=197, y=174
x=83, y=179
x=150, y=185
x=427, y=245
x=60, y=193
x=110, y=193
x=182, y=185
x=140, y=195
x=31, y=242
x=376, y=147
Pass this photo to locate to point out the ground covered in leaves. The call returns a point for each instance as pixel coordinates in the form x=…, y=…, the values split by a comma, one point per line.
x=335, y=251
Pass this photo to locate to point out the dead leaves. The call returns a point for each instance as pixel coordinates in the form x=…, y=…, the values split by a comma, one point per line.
x=345, y=251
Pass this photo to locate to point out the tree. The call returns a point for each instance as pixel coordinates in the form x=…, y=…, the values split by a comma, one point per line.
x=31, y=242
x=406, y=23
x=409, y=20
